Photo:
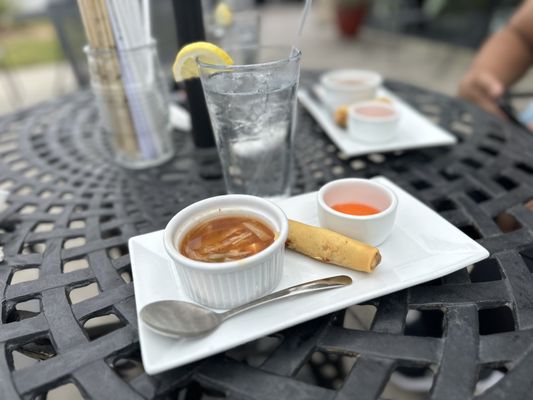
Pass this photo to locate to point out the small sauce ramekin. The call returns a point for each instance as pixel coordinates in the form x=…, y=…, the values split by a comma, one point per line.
x=345, y=86
x=372, y=229
x=228, y=284
x=373, y=121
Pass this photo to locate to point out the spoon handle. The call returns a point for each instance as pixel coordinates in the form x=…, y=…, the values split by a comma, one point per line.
x=312, y=286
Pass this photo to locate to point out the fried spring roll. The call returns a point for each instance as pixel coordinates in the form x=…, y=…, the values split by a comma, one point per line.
x=332, y=247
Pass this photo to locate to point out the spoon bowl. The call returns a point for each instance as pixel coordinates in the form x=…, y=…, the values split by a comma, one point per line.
x=189, y=319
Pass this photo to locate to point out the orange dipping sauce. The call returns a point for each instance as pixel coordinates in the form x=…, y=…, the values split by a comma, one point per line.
x=355, y=209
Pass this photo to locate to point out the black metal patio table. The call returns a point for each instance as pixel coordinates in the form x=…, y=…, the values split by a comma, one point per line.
x=71, y=211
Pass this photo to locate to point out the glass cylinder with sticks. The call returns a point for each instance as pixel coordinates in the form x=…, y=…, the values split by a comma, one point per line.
x=127, y=81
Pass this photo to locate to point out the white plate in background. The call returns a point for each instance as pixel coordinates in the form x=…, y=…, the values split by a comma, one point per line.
x=414, y=130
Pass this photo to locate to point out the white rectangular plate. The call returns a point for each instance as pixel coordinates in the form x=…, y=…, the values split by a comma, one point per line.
x=423, y=246
x=414, y=130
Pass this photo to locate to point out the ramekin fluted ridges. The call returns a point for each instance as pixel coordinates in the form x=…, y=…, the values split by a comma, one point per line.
x=228, y=284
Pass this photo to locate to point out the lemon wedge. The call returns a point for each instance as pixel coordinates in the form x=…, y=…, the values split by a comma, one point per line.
x=223, y=15
x=185, y=66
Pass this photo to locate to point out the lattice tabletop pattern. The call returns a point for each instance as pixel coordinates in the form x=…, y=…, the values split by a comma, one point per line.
x=71, y=211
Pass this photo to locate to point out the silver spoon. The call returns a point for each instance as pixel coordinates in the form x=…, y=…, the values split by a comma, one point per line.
x=180, y=318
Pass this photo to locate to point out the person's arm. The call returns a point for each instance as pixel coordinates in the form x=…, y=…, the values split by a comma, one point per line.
x=502, y=60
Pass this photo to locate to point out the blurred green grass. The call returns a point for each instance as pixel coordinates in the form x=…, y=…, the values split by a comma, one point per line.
x=30, y=44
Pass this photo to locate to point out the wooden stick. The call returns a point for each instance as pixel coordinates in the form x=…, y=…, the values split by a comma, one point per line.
x=95, y=18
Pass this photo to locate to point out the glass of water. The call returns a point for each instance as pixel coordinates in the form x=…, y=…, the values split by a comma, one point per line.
x=244, y=30
x=252, y=106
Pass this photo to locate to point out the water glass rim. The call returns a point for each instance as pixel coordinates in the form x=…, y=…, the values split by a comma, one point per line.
x=294, y=54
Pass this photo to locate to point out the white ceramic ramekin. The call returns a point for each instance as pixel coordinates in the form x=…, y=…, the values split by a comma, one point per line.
x=373, y=128
x=371, y=229
x=228, y=284
x=346, y=86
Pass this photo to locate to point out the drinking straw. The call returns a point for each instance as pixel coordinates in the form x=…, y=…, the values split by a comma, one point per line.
x=125, y=20
x=147, y=21
x=303, y=18
x=123, y=34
